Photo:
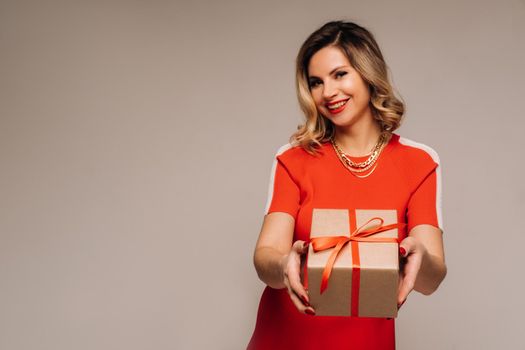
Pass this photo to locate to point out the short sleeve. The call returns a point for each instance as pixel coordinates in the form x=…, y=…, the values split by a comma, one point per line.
x=424, y=206
x=283, y=191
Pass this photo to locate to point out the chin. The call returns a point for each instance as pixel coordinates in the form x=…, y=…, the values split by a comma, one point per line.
x=342, y=122
x=346, y=121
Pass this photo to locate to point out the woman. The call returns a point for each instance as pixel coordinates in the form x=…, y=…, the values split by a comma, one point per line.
x=345, y=156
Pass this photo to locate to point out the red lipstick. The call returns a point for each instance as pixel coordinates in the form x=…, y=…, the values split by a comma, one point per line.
x=338, y=110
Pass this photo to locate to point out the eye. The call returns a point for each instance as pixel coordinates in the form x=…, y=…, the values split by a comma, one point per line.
x=340, y=73
x=314, y=83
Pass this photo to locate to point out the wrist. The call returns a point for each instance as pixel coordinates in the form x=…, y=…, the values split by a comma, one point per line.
x=282, y=266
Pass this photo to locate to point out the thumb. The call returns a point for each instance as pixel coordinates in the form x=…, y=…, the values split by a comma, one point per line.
x=300, y=247
x=406, y=247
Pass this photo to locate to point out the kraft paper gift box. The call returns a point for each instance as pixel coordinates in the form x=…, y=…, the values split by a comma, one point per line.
x=364, y=278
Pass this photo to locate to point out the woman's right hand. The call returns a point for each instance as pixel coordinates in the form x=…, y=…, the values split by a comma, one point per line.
x=291, y=271
x=277, y=265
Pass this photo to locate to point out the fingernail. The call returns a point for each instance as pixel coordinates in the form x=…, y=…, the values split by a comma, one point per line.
x=402, y=251
x=399, y=305
x=305, y=300
x=309, y=312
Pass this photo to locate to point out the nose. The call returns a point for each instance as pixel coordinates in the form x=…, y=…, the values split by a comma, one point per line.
x=329, y=90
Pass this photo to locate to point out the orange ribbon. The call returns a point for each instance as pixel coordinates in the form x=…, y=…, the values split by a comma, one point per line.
x=358, y=235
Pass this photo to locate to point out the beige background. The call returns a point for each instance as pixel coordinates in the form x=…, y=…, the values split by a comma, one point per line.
x=136, y=140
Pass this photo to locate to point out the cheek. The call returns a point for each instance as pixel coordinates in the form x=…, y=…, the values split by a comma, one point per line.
x=351, y=87
x=365, y=93
x=317, y=97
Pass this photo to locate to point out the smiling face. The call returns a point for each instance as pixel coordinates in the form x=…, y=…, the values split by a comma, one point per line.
x=339, y=92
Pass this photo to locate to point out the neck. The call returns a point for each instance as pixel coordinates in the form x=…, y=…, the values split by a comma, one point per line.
x=359, y=139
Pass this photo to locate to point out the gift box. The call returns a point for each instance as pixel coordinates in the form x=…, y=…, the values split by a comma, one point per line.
x=352, y=265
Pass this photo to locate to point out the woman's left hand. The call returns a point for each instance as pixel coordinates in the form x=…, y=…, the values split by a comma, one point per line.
x=422, y=265
x=411, y=252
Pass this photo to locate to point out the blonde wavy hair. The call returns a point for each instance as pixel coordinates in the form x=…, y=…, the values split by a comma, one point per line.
x=363, y=53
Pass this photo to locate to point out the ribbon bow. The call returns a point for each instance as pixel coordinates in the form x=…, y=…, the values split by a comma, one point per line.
x=358, y=235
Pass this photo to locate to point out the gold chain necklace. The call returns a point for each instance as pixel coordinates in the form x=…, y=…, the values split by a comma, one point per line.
x=361, y=167
x=371, y=159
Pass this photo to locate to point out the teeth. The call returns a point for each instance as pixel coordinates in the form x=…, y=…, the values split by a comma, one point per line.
x=337, y=105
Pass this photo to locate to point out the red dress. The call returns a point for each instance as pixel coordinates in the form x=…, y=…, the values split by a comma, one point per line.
x=407, y=178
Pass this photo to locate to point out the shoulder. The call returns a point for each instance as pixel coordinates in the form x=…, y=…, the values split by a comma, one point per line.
x=416, y=152
x=297, y=161
x=296, y=154
x=285, y=149
x=414, y=159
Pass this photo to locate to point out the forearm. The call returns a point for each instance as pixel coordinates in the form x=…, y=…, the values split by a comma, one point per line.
x=432, y=271
x=268, y=264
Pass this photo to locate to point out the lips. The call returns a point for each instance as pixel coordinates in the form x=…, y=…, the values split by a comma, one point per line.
x=335, y=103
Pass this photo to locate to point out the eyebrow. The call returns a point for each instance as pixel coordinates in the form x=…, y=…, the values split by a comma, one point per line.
x=331, y=72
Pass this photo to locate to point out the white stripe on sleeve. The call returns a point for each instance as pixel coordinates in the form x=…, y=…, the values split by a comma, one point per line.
x=435, y=158
x=281, y=150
